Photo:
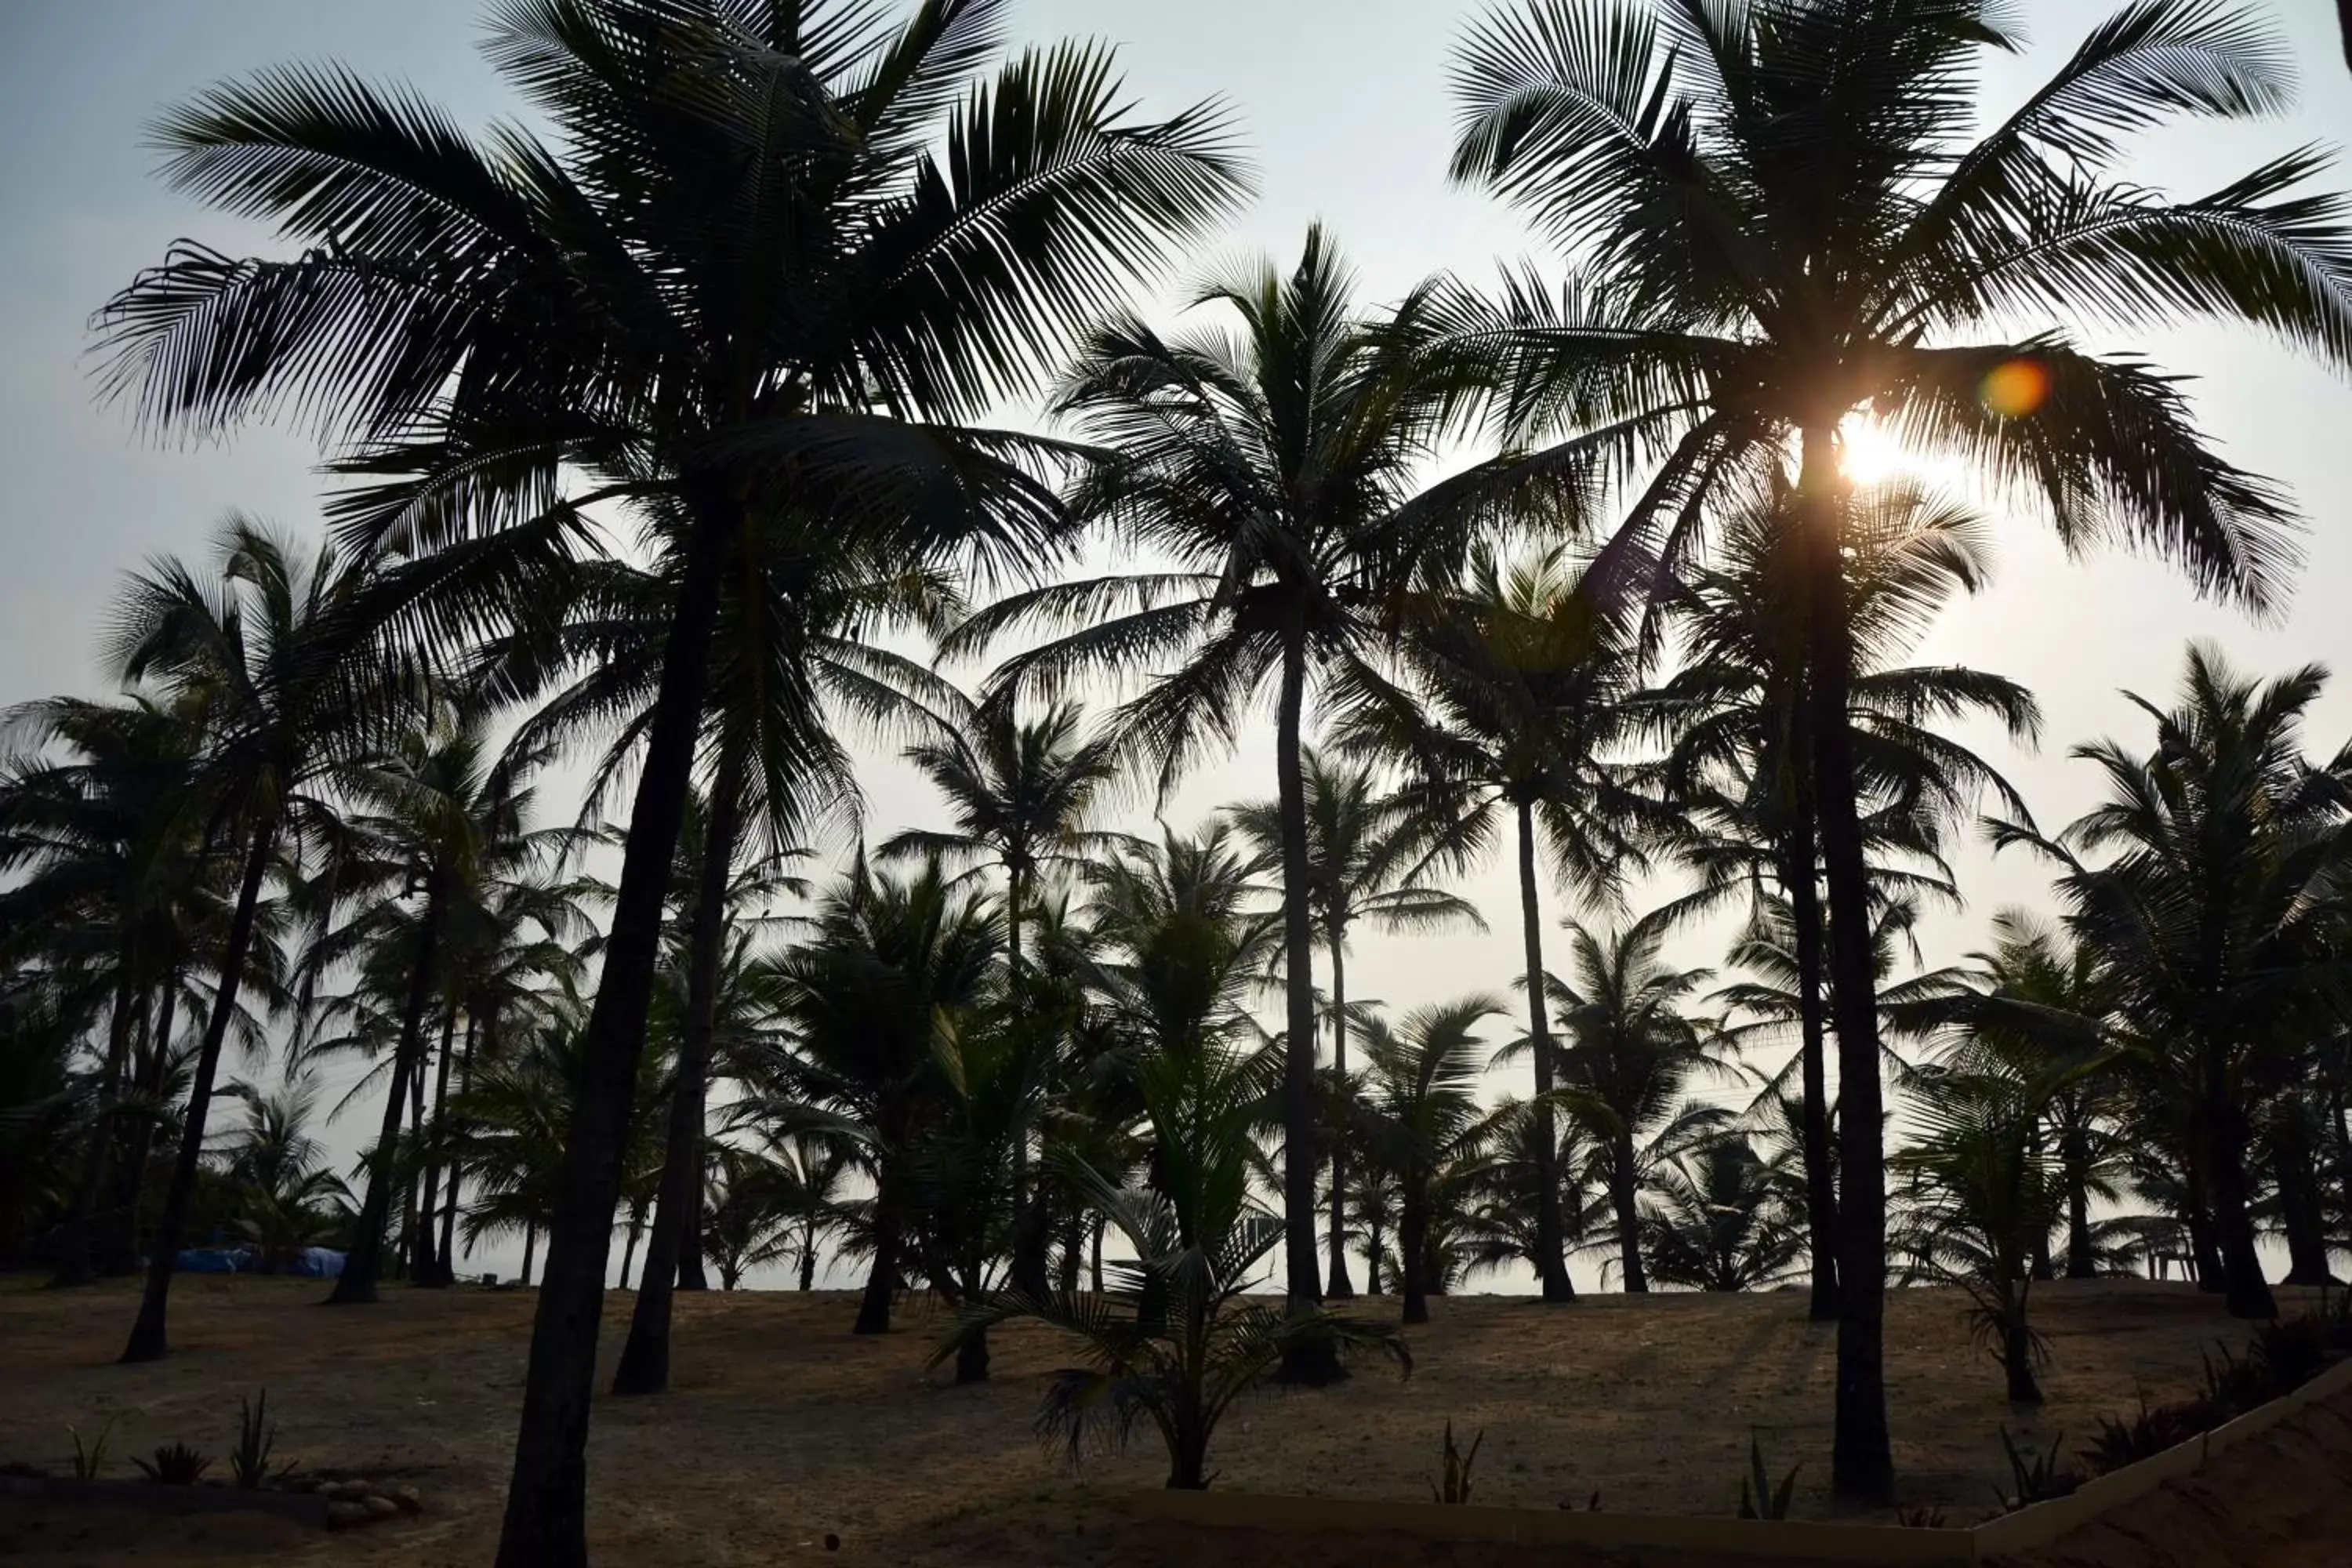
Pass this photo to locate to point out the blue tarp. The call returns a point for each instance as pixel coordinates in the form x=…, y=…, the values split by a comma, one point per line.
x=214, y=1260
x=317, y=1263
x=310, y=1263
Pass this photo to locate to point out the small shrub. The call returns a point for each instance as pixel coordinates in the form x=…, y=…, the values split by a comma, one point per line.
x=177, y=1466
x=2126, y=1442
x=1454, y=1488
x=2291, y=1354
x=2036, y=1477
x=256, y=1435
x=1920, y=1516
x=86, y=1462
x=2234, y=1385
x=1758, y=1498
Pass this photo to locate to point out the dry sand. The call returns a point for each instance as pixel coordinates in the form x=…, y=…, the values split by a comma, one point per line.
x=782, y=1427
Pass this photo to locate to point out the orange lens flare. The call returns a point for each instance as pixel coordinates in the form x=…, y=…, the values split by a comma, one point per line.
x=2015, y=388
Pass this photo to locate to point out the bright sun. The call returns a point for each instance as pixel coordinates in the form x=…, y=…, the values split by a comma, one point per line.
x=1870, y=454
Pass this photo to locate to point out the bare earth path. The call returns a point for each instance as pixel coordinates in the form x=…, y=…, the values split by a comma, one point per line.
x=784, y=1427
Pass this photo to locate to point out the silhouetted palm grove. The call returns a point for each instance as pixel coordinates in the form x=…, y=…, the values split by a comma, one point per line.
x=693, y=437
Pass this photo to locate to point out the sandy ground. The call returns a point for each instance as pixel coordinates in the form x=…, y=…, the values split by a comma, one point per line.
x=782, y=1427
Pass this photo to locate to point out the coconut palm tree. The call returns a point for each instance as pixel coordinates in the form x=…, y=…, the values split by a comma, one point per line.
x=1629, y=1050
x=1982, y=1193
x=1171, y=1342
x=449, y=822
x=1366, y=854
x=2042, y=1007
x=1273, y=470
x=1718, y=1218
x=893, y=969
x=1422, y=1123
x=2210, y=908
x=783, y=246
x=286, y=668
x=1734, y=716
x=105, y=845
x=288, y=1199
x=1020, y=794
x=1780, y=223
x=1519, y=681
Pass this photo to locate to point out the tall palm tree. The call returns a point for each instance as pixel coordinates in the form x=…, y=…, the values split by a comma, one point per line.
x=1521, y=679
x=449, y=820
x=1021, y=793
x=1735, y=715
x=1366, y=854
x=1630, y=1051
x=2210, y=910
x=1273, y=470
x=788, y=246
x=292, y=685
x=1780, y=224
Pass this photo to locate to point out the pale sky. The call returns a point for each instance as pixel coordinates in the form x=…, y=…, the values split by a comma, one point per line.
x=1342, y=106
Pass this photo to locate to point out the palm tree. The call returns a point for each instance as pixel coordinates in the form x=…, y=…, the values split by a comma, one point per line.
x=1628, y=1051
x=777, y=246
x=108, y=852
x=1423, y=1124
x=1779, y=224
x=284, y=666
x=1982, y=1194
x=1366, y=850
x=1020, y=794
x=449, y=821
x=1718, y=1219
x=1274, y=471
x=287, y=1200
x=1173, y=1343
x=1735, y=715
x=2211, y=913
x=2044, y=1007
x=892, y=971
x=1520, y=680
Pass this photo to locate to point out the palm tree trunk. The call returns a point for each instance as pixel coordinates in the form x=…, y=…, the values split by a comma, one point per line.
x=1033, y=1232
x=77, y=1264
x=2016, y=1359
x=2301, y=1214
x=1341, y=1288
x=356, y=1285
x=1551, y=1263
x=808, y=1261
x=149, y=1341
x=1095, y=1279
x=882, y=1282
x=449, y=1204
x=431, y=1266
x=1412, y=1240
x=409, y=1251
x=1316, y=1363
x=1862, y=1464
x=1821, y=1173
x=546, y=1520
x=2244, y=1286
x=1626, y=1199
x=119, y=1254
x=629, y=1252
x=529, y=1245
x=678, y=1211
x=2076, y=1158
